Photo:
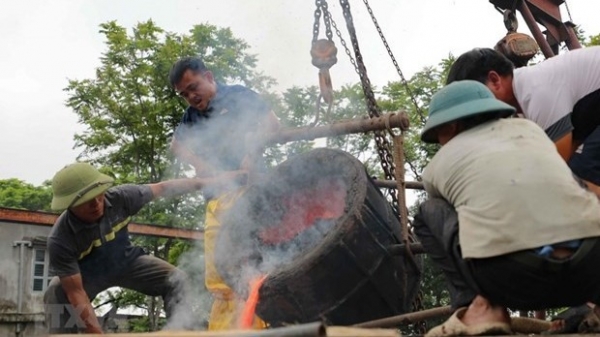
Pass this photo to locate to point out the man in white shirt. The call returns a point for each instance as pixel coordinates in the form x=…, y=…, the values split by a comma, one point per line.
x=506, y=221
x=560, y=94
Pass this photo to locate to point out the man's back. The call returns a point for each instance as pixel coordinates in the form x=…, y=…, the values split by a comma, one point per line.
x=511, y=189
x=549, y=92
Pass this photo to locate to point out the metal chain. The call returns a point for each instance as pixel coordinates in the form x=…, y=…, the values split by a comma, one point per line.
x=568, y=12
x=420, y=326
x=343, y=42
x=326, y=19
x=391, y=54
x=317, y=20
x=382, y=143
x=322, y=9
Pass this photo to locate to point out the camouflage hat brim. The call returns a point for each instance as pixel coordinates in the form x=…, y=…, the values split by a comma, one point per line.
x=99, y=186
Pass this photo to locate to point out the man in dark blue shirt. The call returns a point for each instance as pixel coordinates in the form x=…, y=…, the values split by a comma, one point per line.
x=212, y=135
x=213, y=138
x=89, y=246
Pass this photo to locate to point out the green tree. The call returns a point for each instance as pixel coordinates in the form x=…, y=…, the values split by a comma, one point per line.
x=593, y=40
x=130, y=112
x=15, y=193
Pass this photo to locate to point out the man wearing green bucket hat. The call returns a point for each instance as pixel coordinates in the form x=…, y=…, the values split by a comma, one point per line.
x=89, y=246
x=505, y=220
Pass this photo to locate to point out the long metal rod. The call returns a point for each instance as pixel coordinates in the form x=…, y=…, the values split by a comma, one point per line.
x=572, y=40
x=387, y=121
x=316, y=329
x=535, y=30
x=406, y=318
x=400, y=249
x=411, y=185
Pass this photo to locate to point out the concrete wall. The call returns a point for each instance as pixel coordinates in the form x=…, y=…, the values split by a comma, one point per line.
x=32, y=305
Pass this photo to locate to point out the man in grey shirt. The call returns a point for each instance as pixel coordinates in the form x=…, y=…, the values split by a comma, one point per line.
x=505, y=220
x=90, y=250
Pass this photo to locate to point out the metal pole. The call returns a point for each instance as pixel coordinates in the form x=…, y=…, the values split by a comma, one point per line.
x=406, y=318
x=535, y=29
x=414, y=185
x=400, y=249
x=572, y=40
x=361, y=125
x=316, y=329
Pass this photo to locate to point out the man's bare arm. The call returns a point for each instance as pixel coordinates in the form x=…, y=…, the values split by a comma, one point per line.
x=73, y=287
x=177, y=187
x=565, y=146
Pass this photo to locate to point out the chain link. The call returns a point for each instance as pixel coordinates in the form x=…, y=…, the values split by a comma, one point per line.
x=568, y=11
x=382, y=143
x=322, y=9
x=343, y=42
x=391, y=54
x=317, y=20
x=326, y=20
x=420, y=326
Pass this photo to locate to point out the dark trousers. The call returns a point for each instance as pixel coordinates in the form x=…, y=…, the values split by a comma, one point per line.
x=146, y=274
x=586, y=163
x=521, y=280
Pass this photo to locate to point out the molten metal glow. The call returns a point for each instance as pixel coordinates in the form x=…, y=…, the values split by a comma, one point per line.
x=325, y=201
x=247, y=318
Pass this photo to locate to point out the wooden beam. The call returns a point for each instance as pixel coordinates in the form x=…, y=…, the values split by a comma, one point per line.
x=48, y=219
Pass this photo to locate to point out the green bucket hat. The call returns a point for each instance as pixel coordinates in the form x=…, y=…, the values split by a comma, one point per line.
x=76, y=184
x=460, y=100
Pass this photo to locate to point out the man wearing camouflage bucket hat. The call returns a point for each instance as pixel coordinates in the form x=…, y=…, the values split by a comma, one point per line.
x=89, y=246
x=505, y=220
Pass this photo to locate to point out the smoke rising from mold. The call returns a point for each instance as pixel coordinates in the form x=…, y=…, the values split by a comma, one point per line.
x=280, y=220
x=192, y=311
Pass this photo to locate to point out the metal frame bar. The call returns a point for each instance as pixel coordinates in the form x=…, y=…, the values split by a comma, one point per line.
x=48, y=219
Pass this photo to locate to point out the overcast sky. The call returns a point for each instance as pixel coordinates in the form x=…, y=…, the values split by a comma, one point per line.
x=44, y=43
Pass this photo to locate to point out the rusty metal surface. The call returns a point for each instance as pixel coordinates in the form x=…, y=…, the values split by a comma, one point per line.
x=411, y=185
x=362, y=125
x=304, y=330
x=316, y=329
x=400, y=249
x=535, y=30
x=546, y=13
x=48, y=219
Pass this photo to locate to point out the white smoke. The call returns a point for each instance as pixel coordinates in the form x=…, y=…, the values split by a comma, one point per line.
x=193, y=310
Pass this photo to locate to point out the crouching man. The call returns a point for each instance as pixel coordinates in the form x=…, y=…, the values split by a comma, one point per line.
x=90, y=251
x=505, y=220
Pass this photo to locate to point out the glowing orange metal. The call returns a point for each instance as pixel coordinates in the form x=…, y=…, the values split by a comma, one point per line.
x=247, y=318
